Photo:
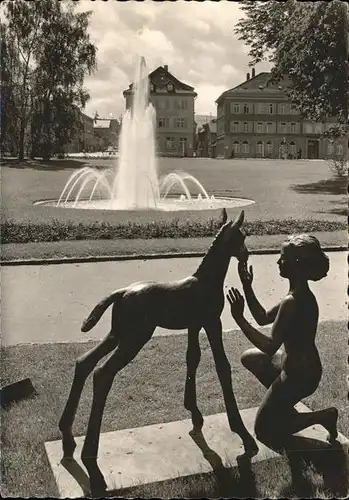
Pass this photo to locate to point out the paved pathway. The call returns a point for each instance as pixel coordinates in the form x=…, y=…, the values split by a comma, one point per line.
x=48, y=303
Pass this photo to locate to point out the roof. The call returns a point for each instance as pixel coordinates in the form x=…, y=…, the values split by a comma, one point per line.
x=101, y=123
x=260, y=81
x=161, y=77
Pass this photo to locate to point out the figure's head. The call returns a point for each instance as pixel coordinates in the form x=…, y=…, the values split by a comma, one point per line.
x=301, y=256
x=234, y=237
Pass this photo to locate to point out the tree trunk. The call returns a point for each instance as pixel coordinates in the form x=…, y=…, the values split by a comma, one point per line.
x=21, y=139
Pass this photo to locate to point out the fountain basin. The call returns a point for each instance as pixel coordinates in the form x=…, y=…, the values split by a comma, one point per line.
x=169, y=204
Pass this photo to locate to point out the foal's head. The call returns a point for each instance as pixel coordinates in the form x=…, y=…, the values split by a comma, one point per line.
x=232, y=238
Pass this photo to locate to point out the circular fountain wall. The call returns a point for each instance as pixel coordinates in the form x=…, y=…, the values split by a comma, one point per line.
x=170, y=204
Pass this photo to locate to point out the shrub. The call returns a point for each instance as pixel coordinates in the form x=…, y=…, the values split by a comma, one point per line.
x=338, y=165
x=25, y=231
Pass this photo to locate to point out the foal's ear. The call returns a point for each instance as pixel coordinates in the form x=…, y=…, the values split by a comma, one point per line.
x=239, y=219
x=224, y=216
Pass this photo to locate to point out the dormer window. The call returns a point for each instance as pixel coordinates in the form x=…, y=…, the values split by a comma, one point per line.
x=170, y=87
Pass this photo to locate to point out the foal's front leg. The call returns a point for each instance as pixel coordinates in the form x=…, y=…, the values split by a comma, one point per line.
x=214, y=332
x=193, y=360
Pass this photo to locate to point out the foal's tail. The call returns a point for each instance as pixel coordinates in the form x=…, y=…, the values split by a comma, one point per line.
x=96, y=314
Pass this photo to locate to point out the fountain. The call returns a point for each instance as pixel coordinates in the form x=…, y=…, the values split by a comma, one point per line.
x=135, y=184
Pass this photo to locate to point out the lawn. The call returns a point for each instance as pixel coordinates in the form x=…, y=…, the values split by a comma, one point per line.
x=290, y=196
x=275, y=186
x=150, y=390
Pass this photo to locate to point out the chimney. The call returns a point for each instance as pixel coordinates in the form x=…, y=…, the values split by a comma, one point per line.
x=248, y=76
x=253, y=72
x=165, y=67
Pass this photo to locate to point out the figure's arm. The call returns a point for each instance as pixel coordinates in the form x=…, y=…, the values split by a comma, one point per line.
x=268, y=345
x=261, y=316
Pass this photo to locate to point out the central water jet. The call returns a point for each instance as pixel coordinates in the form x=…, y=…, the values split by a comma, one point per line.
x=136, y=183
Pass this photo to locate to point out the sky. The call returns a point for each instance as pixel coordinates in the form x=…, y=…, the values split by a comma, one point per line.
x=195, y=39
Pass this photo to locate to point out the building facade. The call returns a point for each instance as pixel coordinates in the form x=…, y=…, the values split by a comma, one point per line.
x=257, y=120
x=207, y=139
x=106, y=133
x=83, y=138
x=173, y=101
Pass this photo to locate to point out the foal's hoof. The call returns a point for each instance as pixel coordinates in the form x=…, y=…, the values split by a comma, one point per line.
x=69, y=446
x=331, y=425
x=198, y=422
x=98, y=488
x=251, y=447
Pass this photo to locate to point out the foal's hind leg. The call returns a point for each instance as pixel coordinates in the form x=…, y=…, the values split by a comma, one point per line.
x=193, y=360
x=83, y=367
x=102, y=381
x=214, y=333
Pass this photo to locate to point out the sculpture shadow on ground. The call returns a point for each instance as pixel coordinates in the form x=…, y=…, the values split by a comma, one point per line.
x=310, y=459
x=240, y=482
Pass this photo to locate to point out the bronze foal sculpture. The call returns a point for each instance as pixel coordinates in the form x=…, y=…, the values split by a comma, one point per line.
x=193, y=302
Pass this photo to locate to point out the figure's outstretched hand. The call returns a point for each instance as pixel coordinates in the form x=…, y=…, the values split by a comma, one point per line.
x=246, y=275
x=236, y=302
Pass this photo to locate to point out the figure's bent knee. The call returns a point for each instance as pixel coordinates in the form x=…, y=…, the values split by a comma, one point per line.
x=252, y=357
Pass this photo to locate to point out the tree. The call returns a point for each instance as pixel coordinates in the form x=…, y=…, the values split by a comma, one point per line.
x=9, y=78
x=56, y=54
x=308, y=42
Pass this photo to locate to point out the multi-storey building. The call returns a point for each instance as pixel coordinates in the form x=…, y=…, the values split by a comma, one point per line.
x=173, y=101
x=256, y=119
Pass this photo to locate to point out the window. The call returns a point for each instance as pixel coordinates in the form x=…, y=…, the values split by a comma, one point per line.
x=246, y=127
x=293, y=128
x=270, y=109
x=182, y=104
x=269, y=128
x=170, y=143
x=269, y=148
x=163, y=104
x=282, y=109
x=170, y=87
x=234, y=126
x=260, y=148
x=293, y=148
x=236, y=147
x=235, y=107
x=259, y=127
x=151, y=87
x=339, y=149
x=179, y=123
x=308, y=128
x=245, y=147
x=183, y=144
x=294, y=110
x=247, y=108
x=283, y=128
x=330, y=148
x=318, y=128
x=163, y=122
x=260, y=109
